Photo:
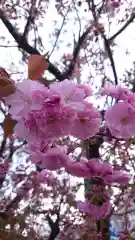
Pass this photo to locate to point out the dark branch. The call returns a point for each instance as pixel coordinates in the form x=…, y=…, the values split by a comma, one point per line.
x=106, y=42
x=76, y=52
x=23, y=44
x=16, y=200
x=108, y=49
x=123, y=28
x=54, y=227
x=27, y=26
x=3, y=144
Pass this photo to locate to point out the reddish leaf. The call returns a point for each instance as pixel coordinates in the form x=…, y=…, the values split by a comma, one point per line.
x=4, y=77
x=7, y=90
x=4, y=73
x=8, y=125
x=36, y=66
x=6, y=85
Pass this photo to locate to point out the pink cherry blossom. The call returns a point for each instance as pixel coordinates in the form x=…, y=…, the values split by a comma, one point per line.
x=87, y=90
x=21, y=131
x=58, y=124
x=105, y=172
x=54, y=159
x=118, y=92
x=51, y=159
x=89, y=169
x=71, y=95
x=114, y=3
x=87, y=123
x=77, y=169
x=20, y=101
x=95, y=211
x=120, y=119
x=95, y=168
x=43, y=124
x=45, y=177
x=120, y=177
x=51, y=113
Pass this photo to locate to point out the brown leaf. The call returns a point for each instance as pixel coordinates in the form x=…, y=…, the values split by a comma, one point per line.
x=7, y=90
x=37, y=64
x=4, y=73
x=8, y=125
x=4, y=77
x=4, y=81
x=6, y=85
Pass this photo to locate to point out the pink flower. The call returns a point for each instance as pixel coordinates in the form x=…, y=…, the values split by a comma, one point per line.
x=95, y=169
x=52, y=103
x=57, y=124
x=44, y=124
x=118, y=92
x=89, y=169
x=77, y=169
x=114, y=3
x=71, y=95
x=44, y=113
x=21, y=131
x=45, y=177
x=51, y=159
x=86, y=124
x=87, y=90
x=120, y=177
x=21, y=101
x=41, y=146
x=99, y=169
x=120, y=119
x=95, y=211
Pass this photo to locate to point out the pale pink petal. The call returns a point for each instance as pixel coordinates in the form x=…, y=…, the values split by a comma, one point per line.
x=98, y=168
x=71, y=95
x=52, y=159
x=120, y=177
x=45, y=177
x=20, y=130
x=87, y=90
x=120, y=120
x=77, y=169
x=95, y=211
x=86, y=124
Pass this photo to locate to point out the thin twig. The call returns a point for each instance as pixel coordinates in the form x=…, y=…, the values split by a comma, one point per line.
x=24, y=45
x=123, y=28
x=59, y=32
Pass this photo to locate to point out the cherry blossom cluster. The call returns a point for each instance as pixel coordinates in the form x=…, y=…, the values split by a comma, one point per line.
x=46, y=114
x=120, y=118
x=95, y=211
x=114, y=3
x=79, y=231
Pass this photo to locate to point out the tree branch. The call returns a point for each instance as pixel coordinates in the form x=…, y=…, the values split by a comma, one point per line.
x=76, y=52
x=123, y=28
x=29, y=20
x=55, y=229
x=24, y=45
x=108, y=49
